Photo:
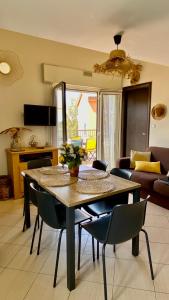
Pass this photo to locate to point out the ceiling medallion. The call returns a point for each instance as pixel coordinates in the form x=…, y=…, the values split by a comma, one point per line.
x=120, y=64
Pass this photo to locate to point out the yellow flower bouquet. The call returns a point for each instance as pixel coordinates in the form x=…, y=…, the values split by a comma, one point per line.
x=72, y=156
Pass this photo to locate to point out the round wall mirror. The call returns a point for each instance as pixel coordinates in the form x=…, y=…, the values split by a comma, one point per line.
x=5, y=68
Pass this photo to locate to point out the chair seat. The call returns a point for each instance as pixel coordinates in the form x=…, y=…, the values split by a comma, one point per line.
x=81, y=216
x=99, y=208
x=105, y=206
x=98, y=228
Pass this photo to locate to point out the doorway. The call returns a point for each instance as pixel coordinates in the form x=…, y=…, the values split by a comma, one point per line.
x=91, y=119
x=81, y=115
x=136, y=103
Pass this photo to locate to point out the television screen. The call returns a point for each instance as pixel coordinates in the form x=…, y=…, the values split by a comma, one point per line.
x=39, y=115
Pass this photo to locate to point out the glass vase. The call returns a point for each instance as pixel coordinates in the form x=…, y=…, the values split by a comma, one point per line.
x=74, y=171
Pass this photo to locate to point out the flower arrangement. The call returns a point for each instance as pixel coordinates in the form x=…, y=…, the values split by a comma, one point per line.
x=71, y=155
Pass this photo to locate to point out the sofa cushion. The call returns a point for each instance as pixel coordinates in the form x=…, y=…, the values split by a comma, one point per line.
x=147, y=166
x=138, y=156
x=145, y=179
x=160, y=154
x=161, y=187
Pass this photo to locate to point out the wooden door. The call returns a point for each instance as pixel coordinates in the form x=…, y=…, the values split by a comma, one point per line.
x=136, y=117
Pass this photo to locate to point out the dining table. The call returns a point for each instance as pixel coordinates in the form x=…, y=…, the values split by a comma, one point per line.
x=73, y=197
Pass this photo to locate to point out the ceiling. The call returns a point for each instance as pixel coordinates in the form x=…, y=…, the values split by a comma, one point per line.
x=93, y=23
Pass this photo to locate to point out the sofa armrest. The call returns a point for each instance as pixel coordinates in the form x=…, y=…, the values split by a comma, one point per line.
x=123, y=163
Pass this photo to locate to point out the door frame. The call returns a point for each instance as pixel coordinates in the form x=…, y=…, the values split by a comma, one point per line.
x=62, y=86
x=147, y=85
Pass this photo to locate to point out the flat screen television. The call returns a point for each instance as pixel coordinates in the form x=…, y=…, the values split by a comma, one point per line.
x=39, y=115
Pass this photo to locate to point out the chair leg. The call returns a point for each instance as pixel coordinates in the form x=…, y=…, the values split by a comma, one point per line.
x=24, y=224
x=40, y=235
x=149, y=254
x=34, y=231
x=104, y=272
x=57, y=258
x=79, y=246
x=38, y=221
x=98, y=246
x=93, y=250
x=97, y=249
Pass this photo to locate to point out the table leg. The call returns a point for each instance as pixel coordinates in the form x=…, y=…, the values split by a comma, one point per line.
x=70, y=234
x=26, y=203
x=135, y=241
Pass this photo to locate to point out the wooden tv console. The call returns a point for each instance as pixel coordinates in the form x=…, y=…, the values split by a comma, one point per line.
x=17, y=162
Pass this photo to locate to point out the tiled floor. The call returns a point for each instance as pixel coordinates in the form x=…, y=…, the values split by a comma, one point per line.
x=30, y=277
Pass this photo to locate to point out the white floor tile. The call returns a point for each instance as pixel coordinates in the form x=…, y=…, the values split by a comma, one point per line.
x=154, y=209
x=157, y=221
x=90, y=291
x=7, y=253
x=156, y=234
x=161, y=296
x=161, y=278
x=24, y=261
x=4, y=230
x=25, y=277
x=123, y=293
x=134, y=275
x=9, y=219
x=42, y=289
x=14, y=284
x=93, y=272
x=17, y=237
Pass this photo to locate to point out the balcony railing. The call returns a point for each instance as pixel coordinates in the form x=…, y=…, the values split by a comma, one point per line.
x=84, y=134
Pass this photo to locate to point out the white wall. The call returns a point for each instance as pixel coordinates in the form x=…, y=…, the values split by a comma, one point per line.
x=32, y=53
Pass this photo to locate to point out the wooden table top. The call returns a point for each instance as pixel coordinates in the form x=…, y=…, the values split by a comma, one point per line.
x=70, y=197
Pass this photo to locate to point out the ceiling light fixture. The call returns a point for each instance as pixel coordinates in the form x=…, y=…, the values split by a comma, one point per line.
x=120, y=64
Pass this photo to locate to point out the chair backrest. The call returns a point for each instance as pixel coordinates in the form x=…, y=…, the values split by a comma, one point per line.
x=100, y=165
x=33, y=164
x=90, y=144
x=51, y=211
x=126, y=222
x=38, y=163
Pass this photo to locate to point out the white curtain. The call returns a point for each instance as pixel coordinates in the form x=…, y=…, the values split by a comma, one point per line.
x=109, y=127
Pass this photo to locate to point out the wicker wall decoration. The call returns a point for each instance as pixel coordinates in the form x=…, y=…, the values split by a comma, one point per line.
x=10, y=67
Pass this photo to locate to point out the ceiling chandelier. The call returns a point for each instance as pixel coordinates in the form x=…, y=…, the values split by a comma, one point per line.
x=120, y=64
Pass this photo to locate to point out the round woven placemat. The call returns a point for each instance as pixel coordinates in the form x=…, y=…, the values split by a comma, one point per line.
x=94, y=186
x=92, y=174
x=58, y=180
x=54, y=170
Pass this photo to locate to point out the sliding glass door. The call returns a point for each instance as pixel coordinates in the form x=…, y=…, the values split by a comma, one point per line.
x=89, y=119
x=59, y=134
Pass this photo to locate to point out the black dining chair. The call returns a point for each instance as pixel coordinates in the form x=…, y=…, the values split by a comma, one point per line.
x=105, y=206
x=124, y=223
x=54, y=215
x=100, y=164
x=33, y=164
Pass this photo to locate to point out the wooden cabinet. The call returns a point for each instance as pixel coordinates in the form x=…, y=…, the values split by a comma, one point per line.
x=17, y=162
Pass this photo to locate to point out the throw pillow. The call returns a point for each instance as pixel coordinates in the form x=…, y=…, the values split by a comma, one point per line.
x=153, y=167
x=139, y=156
